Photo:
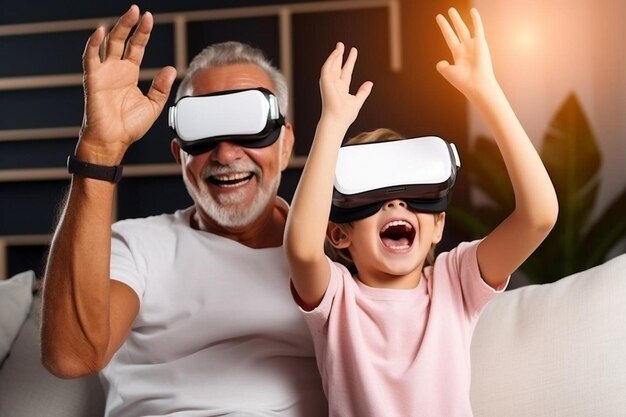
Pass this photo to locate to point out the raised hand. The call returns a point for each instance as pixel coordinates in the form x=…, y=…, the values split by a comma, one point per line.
x=472, y=68
x=117, y=113
x=335, y=78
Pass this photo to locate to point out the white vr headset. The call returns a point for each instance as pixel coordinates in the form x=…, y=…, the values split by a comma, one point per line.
x=250, y=117
x=421, y=171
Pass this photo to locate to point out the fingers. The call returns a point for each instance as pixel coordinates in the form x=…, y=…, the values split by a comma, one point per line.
x=460, y=32
x=460, y=27
x=442, y=66
x=479, y=30
x=138, y=41
x=160, y=89
x=91, y=55
x=115, y=43
x=448, y=33
x=335, y=67
x=364, y=91
x=116, y=39
x=332, y=65
x=348, y=66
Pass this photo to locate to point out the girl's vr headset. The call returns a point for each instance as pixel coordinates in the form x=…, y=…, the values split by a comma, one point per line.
x=420, y=171
x=250, y=118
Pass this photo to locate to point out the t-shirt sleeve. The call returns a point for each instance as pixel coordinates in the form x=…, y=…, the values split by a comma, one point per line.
x=317, y=318
x=462, y=264
x=125, y=267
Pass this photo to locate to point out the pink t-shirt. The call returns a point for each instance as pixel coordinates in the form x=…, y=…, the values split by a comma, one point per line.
x=400, y=353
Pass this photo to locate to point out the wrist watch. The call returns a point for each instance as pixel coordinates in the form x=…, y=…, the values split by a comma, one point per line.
x=99, y=172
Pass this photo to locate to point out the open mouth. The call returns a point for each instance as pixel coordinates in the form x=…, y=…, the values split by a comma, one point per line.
x=397, y=235
x=230, y=180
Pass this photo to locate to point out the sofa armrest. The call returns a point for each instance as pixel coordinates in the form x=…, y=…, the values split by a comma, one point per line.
x=555, y=349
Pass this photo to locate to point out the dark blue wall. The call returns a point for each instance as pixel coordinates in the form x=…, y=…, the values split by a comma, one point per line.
x=415, y=101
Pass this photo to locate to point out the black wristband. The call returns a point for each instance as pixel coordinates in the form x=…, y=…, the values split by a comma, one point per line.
x=100, y=172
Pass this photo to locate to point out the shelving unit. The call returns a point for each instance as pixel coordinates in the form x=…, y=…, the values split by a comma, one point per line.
x=41, y=146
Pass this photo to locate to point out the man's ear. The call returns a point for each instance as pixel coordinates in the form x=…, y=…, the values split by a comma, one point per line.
x=287, y=147
x=440, y=221
x=175, y=149
x=337, y=236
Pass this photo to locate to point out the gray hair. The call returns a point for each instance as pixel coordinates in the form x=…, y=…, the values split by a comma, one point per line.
x=231, y=53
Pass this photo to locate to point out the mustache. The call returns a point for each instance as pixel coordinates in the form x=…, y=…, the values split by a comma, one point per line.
x=238, y=166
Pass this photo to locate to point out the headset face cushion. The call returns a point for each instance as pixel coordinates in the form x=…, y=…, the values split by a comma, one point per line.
x=421, y=171
x=250, y=118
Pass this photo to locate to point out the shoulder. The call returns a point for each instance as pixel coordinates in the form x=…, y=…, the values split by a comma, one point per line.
x=458, y=272
x=462, y=257
x=450, y=266
x=167, y=220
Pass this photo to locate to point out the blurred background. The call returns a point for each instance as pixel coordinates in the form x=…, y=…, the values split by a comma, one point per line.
x=561, y=63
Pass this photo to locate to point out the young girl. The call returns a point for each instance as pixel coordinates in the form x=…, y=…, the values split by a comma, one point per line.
x=394, y=339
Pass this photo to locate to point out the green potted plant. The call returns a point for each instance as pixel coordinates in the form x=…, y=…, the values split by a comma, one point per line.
x=572, y=158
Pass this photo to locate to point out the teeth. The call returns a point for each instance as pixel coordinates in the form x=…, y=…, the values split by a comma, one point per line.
x=397, y=223
x=231, y=177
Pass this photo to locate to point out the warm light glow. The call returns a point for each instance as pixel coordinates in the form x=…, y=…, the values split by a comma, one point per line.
x=543, y=51
x=525, y=38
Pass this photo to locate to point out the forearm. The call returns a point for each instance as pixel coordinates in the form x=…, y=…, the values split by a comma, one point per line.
x=536, y=206
x=535, y=198
x=308, y=216
x=76, y=297
x=310, y=208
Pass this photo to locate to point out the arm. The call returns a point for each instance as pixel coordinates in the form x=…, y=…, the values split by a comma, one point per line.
x=536, y=206
x=308, y=216
x=86, y=316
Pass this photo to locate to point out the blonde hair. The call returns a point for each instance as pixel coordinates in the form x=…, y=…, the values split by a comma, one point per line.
x=343, y=255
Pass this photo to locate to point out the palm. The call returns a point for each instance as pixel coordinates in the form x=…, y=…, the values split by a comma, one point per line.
x=117, y=113
x=471, y=65
x=335, y=87
x=338, y=100
x=115, y=105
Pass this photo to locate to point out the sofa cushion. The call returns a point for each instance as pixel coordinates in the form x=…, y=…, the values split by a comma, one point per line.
x=556, y=349
x=28, y=389
x=15, y=300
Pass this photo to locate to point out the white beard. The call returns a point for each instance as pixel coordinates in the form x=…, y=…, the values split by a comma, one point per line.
x=233, y=217
x=227, y=210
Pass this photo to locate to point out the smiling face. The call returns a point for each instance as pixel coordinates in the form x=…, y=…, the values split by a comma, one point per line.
x=234, y=187
x=390, y=247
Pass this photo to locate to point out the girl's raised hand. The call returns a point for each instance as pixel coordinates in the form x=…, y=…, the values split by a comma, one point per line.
x=472, y=68
x=335, y=78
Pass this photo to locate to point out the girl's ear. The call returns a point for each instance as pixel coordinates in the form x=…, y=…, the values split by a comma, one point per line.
x=288, y=141
x=337, y=236
x=440, y=221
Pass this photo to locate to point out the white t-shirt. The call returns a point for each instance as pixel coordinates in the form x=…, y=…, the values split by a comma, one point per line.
x=217, y=333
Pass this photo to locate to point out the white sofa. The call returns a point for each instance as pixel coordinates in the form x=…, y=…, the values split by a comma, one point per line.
x=555, y=349
x=27, y=389
x=538, y=351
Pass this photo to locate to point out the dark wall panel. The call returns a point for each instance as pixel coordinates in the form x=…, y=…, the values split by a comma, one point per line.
x=29, y=109
x=141, y=197
x=415, y=101
x=30, y=207
x=46, y=153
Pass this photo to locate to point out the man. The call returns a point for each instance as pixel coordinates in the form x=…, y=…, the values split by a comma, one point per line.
x=189, y=313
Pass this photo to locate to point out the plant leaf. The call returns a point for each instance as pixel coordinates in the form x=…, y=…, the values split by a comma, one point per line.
x=572, y=158
x=476, y=221
x=488, y=173
x=605, y=233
